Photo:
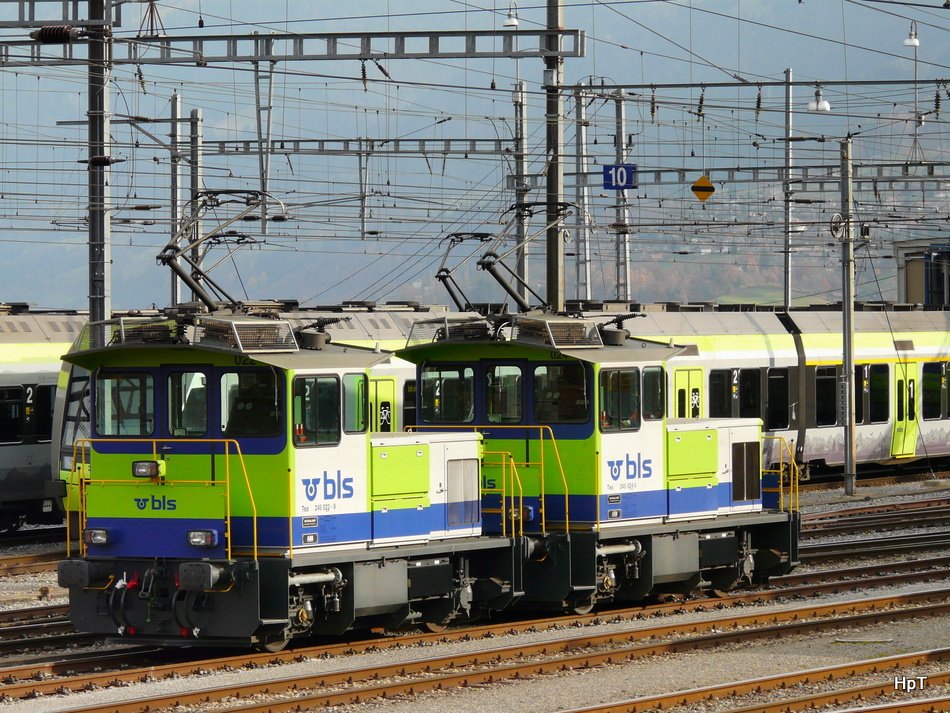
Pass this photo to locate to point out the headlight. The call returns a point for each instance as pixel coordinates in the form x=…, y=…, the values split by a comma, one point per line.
x=202, y=538
x=148, y=468
x=95, y=537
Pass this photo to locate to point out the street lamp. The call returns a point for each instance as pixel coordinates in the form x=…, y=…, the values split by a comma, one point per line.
x=512, y=19
x=911, y=41
x=820, y=103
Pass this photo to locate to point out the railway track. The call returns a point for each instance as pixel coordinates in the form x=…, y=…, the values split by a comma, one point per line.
x=873, y=545
x=38, y=678
x=784, y=688
x=916, y=513
x=492, y=663
x=29, y=564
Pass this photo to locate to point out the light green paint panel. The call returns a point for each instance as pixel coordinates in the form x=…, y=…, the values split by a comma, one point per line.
x=266, y=476
x=400, y=470
x=148, y=499
x=692, y=453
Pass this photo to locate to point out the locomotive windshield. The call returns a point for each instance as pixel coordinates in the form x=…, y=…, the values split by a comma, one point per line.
x=125, y=404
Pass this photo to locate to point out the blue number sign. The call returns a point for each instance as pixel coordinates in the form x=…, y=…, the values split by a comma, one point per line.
x=620, y=176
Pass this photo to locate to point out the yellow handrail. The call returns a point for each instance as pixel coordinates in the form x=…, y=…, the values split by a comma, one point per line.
x=787, y=467
x=514, y=512
x=81, y=475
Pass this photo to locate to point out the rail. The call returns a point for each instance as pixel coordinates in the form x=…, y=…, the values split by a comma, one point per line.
x=540, y=464
x=81, y=476
x=786, y=468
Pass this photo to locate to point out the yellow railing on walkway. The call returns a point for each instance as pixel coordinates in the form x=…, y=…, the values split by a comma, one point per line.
x=542, y=431
x=788, y=475
x=510, y=493
x=81, y=476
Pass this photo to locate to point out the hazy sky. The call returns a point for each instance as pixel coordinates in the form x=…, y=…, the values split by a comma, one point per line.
x=375, y=227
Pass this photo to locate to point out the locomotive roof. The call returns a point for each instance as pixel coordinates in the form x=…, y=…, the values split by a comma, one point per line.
x=261, y=340
x=534, y=336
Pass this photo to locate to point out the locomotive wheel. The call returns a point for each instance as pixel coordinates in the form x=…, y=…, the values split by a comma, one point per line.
x=584, y=605
x=722, y=582
x=272, y=647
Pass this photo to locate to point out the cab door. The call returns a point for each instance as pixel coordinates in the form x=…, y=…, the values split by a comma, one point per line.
x=688, y=393
x=382, y=402
x=904, y=438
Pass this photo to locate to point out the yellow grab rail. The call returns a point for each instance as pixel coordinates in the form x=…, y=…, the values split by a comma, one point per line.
x=516, y=510
x=787, y=471
x=81, y=476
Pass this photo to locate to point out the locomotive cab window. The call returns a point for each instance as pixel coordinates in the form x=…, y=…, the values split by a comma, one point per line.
x=317, y=409
x=355, y=403
x=249, y=404
x=448, y=394
x=620, y=400
x=560, y=394
x=654, y=393
x=125, y=404
x=187, y=404
x=76, y=414
x=504, y=394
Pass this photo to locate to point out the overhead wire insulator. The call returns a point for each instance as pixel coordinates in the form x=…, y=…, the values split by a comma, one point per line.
x=363, y=74
x=381, y=68
x=56, y=34
x=758, y=104
x=937, y=104
x=101, y=160
x=653, y=107
x=702, y=100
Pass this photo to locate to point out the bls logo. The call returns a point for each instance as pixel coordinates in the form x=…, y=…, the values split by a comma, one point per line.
x=162, y=503
x=334, y=488
x=631, y=467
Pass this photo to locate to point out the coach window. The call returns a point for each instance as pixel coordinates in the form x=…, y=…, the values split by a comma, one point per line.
x=560, y=394
x=931, y=406
x=125, y=404
x=448, y=394
x=355, y=403
x=504, y=394
x=316, y=411
x=41, y=402
x=620, y=400
x=409, y=403
x=776, y=400
x=720, y=393
x=187, y=404
x=826, y=396
x=750, y=393
x=654, y=393
x=880, y=393
x=249, y=404
x=11, y=414
x=860, y=389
